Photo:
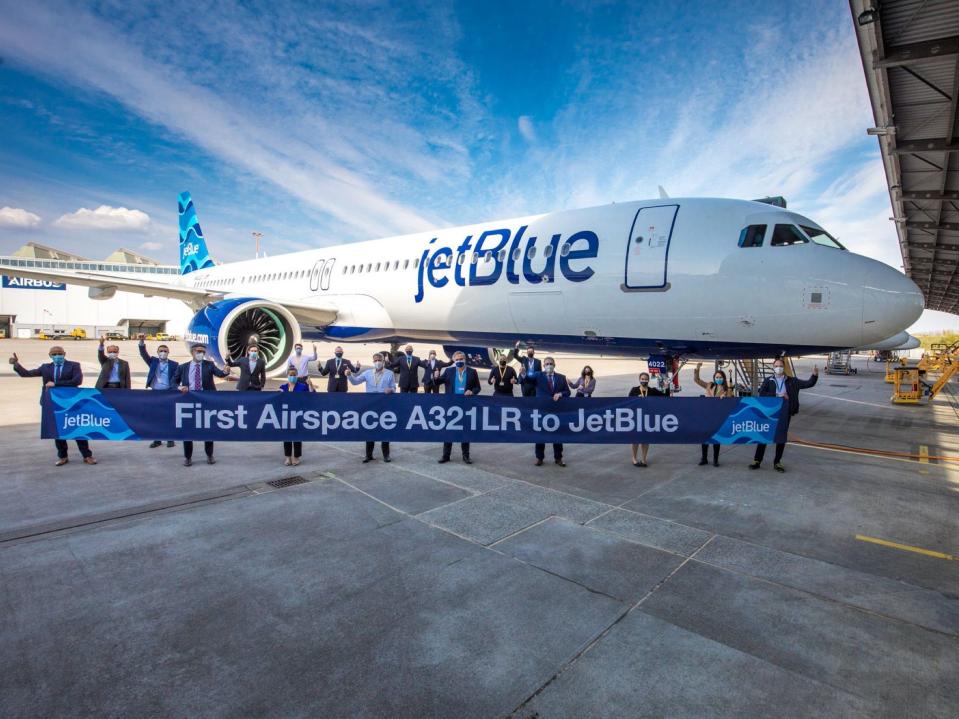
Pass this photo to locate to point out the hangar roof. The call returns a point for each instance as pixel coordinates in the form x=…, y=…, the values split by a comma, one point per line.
x=910, y=55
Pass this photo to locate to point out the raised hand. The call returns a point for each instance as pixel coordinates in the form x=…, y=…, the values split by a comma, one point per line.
x=348, y=371
x=815, y=370
x=13, y=358
x=699, y=365
x=141, y=336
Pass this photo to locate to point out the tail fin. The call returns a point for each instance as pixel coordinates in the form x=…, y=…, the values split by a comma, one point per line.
x=193, y=253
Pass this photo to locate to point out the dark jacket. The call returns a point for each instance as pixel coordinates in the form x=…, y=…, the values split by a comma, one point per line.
x=524, y=361
x=541, y=382
x=208, y=370
x=429, y=368
x=154, y=364
x=409, y=380
x=650, y=392
x=70, y=373
x=249, y=380
x=106, y=367
x=447, y=378
x=505, y=387
x=793, y=385
x=337, y=381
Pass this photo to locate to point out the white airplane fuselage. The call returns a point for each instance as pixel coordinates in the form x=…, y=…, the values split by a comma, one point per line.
x=663, y=276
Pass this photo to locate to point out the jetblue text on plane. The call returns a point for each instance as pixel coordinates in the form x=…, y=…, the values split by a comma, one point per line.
x=438, y=265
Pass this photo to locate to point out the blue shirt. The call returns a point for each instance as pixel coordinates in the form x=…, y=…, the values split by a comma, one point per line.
x=115, y=372
x=459, y=381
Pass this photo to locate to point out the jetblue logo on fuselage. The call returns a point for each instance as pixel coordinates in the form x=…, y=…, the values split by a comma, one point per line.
x=502, y=251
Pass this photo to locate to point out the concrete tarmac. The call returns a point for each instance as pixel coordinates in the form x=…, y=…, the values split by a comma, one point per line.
x=139, y=587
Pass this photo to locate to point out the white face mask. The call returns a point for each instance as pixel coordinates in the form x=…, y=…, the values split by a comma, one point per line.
x=378, y=365
x=112, y=355
x=299, y=350
x=548, y=368
x=162, y=355
x=778, y=370
x=253, y=355
x=199, y=356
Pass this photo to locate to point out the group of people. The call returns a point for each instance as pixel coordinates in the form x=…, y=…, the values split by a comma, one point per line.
x=534, y=377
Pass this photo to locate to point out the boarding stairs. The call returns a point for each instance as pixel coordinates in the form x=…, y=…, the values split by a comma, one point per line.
x=747, y=375
x=840, y=363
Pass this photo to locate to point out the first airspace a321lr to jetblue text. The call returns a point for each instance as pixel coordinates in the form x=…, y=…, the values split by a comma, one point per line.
x=688, y=277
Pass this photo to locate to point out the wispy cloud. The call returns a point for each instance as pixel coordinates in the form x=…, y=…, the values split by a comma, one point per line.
x=18, y=218
x=151, y=246
x=526, y=129
x=105, y=218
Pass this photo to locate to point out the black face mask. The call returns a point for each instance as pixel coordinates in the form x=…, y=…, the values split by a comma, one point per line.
x=643, y=382
x=339, y=354
x=502, y=364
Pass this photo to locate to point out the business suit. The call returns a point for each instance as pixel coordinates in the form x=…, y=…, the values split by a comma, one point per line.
x=429, y=367
x=791, y=387
x=106, y=370
x=186, y=377
x=471, y=384
x=529, y=367
x=155, y=365
x=408, y=366
x=250, y=380
x=337, y=381
x=502, y=381
x=68, y=374
x=545, y=385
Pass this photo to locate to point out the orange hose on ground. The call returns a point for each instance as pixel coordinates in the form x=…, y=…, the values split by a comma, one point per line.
x=874, y=452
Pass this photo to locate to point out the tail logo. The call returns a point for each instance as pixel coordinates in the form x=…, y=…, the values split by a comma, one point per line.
x=193, y=252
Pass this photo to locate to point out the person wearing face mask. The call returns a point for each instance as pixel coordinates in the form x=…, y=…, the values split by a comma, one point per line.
x=252, y=370
x=585, y=384
x=292, y=451
x=408, y=366
x=379, y=380
x=114, y=372
x=431, y=366
x=643, y=390
x=336, y=368
x=161, y=374
x=301, y=362
x=719, y=387
x=197, y=376
x=503, y=378
x=548, y=383
x=464, y=381
x=58, y=372
x=530, y=368
x=779, y=385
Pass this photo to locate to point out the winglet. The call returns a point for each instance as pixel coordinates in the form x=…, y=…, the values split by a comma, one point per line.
x=663, y=195
x=193, y=252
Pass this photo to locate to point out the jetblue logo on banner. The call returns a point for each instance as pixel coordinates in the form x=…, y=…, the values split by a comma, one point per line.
x=754, y=422
x=24, y=283
x=502, y=252
x=82, y=413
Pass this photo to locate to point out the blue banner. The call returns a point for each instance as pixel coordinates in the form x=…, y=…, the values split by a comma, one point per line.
x=115, y=414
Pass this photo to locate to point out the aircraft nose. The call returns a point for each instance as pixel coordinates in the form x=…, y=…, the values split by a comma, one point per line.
x=891, y=302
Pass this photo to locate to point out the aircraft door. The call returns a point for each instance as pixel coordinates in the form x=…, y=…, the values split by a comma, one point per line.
x=647, y=250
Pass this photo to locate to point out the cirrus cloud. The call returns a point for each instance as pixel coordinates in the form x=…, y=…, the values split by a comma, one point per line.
x=18, y=217
x=105, y=218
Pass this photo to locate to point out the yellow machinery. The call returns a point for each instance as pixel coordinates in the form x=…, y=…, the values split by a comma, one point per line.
x=78, y=333
x=908, y=388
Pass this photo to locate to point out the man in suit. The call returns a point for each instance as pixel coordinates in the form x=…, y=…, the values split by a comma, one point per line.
x=780, y=385
x=197, y=376
x=531, y=367
x=549, y=383
x=408, y=366
x=161, y=374
x=114, y=372
x=379, y=380
x=430, y=367
x=462, y=380
x=252, y=370
x=58, y=372
x=336, y=369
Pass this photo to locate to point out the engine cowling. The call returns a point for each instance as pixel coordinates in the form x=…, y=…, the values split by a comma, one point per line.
x=229, y=326
x=482, y=357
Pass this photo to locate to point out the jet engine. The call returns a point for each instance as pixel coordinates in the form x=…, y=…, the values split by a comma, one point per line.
x=229, y=326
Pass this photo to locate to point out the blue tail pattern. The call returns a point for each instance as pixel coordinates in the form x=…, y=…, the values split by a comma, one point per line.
x=193, y=253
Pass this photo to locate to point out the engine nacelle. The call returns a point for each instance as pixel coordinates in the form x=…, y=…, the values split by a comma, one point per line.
x=229, y=326
x=483, y=357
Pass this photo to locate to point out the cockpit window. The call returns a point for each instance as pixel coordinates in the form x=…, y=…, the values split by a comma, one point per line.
x=752, y=236
x=821, y=237
x=787, y=235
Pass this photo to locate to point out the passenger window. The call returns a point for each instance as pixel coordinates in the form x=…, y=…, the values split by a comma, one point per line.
x=531, y=252
x=565, y=249
x=787, y=235
x=406, y=264
x=752, y=236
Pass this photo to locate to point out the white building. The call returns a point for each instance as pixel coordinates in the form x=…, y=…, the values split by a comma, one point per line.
x=29, y=307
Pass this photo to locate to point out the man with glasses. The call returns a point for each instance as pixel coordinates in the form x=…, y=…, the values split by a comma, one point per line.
x=197, y=376
x=161, y=375
x=58, y=372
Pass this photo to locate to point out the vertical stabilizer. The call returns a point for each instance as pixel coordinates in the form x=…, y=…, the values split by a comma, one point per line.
x=193, y=253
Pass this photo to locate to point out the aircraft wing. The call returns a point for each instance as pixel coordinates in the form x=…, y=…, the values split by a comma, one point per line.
x=316, y=315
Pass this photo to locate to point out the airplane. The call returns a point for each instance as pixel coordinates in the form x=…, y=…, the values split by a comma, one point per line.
x=698, y=278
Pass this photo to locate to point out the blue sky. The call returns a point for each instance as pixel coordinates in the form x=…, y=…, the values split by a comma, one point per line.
x=324, y=123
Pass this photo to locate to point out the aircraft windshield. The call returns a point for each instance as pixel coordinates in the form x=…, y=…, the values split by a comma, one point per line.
x=821, y=237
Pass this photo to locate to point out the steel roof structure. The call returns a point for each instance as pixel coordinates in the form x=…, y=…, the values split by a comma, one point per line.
x=910, y=55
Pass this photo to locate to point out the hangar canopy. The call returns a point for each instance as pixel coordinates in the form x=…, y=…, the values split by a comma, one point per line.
x=910, y=54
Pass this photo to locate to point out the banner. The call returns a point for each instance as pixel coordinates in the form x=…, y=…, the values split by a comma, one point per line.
x=116, y=414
